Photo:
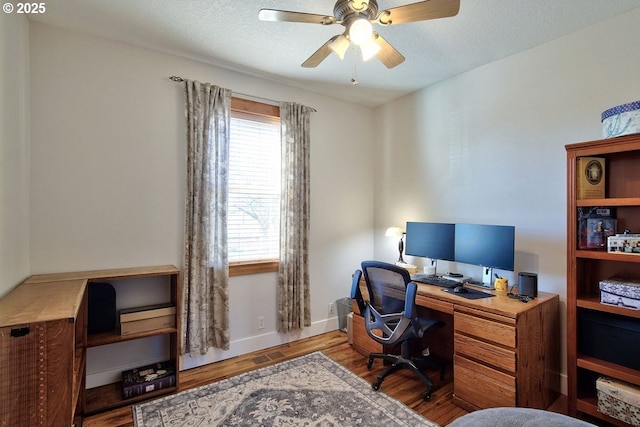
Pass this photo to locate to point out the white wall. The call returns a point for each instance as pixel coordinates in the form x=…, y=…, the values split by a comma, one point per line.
x=14, y=151
x=107, y=160
x=108, y=165
x=488, y=146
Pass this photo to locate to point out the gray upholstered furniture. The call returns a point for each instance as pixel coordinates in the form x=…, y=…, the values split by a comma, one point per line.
x=517, y=417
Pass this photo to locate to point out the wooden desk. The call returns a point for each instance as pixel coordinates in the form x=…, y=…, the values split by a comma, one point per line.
x=505, y=352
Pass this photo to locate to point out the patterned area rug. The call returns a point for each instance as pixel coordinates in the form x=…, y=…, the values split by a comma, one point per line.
x=310, y=391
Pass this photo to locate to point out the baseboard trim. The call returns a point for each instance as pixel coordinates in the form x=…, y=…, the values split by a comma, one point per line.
x=257, y=343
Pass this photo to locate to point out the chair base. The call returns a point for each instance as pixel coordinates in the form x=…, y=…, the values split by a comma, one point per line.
x=405, y=361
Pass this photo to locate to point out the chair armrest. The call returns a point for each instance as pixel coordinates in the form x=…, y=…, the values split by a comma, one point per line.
x=355, y=291
x=410, y=300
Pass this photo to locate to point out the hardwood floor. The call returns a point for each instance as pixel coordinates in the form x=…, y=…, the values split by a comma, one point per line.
x=401, y=385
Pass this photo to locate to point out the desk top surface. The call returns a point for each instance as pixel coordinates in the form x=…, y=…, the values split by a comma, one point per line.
x=498, y=304
x=436, y=298
x=42, y=302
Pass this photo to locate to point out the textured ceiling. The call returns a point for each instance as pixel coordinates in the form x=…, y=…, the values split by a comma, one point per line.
x=228, y=33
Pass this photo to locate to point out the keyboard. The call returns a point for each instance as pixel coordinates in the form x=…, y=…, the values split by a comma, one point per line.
x=430, y=279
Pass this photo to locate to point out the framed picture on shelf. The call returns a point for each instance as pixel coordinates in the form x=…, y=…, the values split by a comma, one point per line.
x=595, y=226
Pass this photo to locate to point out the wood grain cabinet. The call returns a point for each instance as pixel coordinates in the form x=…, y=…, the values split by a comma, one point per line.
x=587, y=267
x=43, y=347
x=42, y=353
x=505, y=360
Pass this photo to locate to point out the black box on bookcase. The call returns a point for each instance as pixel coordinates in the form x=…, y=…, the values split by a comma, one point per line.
x=609, y=337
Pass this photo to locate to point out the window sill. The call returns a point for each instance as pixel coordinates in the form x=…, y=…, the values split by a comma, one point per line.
x=253, y=267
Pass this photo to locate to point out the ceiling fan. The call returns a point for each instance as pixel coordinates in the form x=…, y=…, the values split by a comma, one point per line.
x=357, y=16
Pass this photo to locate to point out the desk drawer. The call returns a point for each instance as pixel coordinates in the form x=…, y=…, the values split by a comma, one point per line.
x=485, y=329
x=499, y=357
x=434, y=304
x=482, y=386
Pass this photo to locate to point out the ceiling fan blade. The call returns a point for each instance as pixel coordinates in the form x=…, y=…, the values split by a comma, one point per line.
x=288, y=16
x=319, y=55
x=421, y=11
x=388, y=54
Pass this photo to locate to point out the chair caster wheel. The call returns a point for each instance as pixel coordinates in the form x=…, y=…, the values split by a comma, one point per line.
x=375, y=386
x=370, y=364
x=426, y=395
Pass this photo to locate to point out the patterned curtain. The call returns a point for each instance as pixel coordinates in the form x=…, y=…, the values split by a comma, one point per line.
x=205, y=275
x=294, y=307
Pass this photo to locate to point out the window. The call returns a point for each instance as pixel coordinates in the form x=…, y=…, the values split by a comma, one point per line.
x=254, y=187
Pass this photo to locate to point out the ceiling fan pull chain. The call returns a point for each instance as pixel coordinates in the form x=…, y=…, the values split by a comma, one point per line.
x=354, y=80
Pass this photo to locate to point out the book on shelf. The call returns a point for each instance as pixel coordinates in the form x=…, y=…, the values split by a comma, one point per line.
x=146, y=379
x=590, y=180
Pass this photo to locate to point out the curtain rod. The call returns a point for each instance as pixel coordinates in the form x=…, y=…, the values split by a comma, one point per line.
x=179, y=79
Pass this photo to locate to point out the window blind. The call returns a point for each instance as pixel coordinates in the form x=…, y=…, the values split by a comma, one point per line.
x=254, y=188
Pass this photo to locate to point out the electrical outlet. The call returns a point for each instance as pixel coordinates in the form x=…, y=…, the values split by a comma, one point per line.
x=330, y=308
x=261, y=322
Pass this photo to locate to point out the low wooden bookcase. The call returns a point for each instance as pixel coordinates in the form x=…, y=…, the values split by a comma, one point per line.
x=44, y=341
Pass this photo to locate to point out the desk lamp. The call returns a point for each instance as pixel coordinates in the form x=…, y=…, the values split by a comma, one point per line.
x=397, y=232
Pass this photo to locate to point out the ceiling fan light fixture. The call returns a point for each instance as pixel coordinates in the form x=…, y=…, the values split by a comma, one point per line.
x=360, y=31
x=369, y=49
x=339, y=46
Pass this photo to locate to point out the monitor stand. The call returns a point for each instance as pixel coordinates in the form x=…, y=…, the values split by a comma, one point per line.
x=432, y=269
x=487, y=277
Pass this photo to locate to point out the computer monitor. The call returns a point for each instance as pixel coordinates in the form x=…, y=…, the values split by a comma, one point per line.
x=431, y=240
x=490, y=246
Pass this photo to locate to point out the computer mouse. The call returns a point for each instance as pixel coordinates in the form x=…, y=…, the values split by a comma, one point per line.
x=460, y=290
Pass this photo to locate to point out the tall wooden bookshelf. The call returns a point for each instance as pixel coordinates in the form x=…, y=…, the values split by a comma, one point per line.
x=587, y=267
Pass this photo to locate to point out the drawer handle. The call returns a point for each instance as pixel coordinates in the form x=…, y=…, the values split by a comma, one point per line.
x=19, y=332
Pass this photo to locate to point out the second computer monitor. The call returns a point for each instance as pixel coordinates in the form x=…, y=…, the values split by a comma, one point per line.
x=431, y=240
x=486, y=245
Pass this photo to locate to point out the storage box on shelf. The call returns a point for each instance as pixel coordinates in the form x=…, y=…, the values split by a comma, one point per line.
x=619, y=400
x=621, y=120
x=610, y=337
x=620, y=292
x=147, y=318
x=587, y=267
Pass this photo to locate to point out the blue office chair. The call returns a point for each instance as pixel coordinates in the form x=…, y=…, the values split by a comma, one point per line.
x=391, y=318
